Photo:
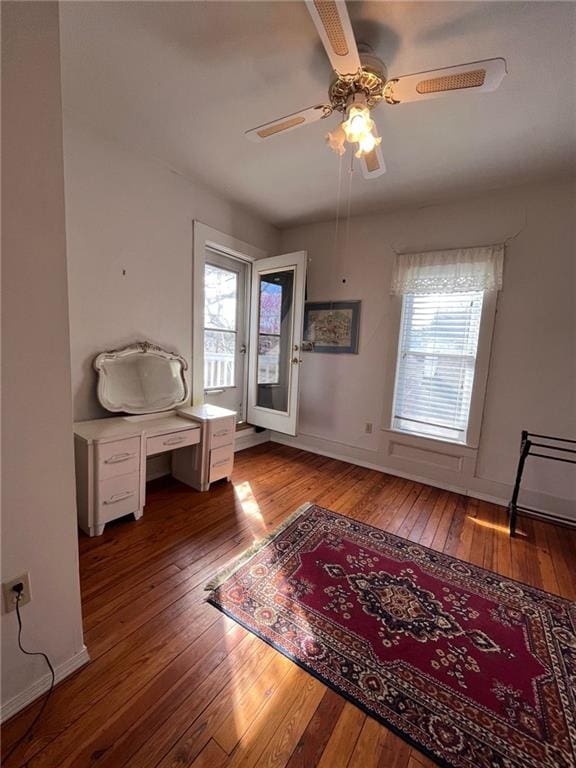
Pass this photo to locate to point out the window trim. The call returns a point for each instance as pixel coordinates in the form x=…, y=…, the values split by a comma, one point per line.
x=481, y=370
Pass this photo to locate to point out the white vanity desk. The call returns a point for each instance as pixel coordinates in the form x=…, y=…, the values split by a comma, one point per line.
x=111, y=458
x=111, y=453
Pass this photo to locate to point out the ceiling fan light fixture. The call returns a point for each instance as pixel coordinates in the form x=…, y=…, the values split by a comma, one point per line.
x=358, y=121
x=357, y=124
x=367, y=144
x=336, y=140
x=358, y=128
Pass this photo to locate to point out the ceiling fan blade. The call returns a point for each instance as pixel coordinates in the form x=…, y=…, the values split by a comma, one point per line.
x=289, y=122
x=332, y=21
x=476, y=76
x=373, y=164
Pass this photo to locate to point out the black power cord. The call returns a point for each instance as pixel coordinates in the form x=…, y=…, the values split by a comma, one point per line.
x=18, y=588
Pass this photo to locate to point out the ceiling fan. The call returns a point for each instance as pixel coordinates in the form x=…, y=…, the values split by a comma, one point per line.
x=361, y=83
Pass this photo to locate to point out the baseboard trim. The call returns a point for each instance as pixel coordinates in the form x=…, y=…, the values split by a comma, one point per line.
x=548, y=517
x=474, y=494
x=248, y=438
x=30, y=694
x=391, y=471
x=157, y=474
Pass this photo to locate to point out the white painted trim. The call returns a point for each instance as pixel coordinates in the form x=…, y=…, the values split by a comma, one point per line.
x=430, y=443
x=227, y=244
x=471, y=492
x=158, y=466
x=248, y=438
x=30, y=694
x=203, y=236
x=548, y=517
x=295, y=443
x=481, y=368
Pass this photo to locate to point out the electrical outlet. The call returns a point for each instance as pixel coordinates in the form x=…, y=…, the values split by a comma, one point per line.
x=10, y=596
x=368, y=428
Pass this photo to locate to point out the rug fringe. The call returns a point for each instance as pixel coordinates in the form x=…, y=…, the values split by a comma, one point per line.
x=230, y=569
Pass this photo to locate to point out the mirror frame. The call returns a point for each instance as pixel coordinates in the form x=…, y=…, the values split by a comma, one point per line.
x=131, y=350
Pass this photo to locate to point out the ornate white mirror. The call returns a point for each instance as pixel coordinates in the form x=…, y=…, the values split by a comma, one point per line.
x=141, y=378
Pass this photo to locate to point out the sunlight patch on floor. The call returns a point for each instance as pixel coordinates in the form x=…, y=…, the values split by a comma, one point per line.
x=493, y=526
x=250, y=510
x=254, y=689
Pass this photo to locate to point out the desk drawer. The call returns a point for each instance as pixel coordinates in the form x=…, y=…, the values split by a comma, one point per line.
x=222, y=432
x=172, y=440
x=121, y=457
x=118, y=496
x=221, y=462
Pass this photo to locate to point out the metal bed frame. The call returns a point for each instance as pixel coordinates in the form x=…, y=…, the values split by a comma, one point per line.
x=527, y=444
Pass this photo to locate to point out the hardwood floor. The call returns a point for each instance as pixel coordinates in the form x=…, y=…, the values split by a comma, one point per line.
x=173, y=682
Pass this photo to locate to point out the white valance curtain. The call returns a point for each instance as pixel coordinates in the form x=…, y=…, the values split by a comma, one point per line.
x=454, y=271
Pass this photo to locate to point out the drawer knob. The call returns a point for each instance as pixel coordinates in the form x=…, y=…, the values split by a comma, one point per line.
x=219, y=463
x=119, y=497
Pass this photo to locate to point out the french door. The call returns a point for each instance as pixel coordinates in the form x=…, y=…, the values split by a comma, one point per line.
x=225, y=331
x=276, y=316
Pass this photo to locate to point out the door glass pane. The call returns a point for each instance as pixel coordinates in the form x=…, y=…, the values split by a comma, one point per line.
x=220, y=326
x=274, y=339
x=220, y=298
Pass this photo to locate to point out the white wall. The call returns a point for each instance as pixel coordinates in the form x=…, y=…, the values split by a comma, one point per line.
x=532, y=382
x=38, y=508
x=126, y=212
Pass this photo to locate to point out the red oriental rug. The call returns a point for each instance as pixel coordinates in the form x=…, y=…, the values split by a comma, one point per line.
x=472, y=668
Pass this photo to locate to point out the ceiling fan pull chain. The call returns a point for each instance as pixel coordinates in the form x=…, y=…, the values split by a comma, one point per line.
x=338, y=199
x=349, y=204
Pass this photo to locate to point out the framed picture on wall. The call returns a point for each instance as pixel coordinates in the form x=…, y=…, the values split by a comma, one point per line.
x=331, y=326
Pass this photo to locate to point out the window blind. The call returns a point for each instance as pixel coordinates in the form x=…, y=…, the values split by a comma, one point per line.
x=436, y=362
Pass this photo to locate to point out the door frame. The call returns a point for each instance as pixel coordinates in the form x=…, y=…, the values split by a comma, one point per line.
x=204, y=236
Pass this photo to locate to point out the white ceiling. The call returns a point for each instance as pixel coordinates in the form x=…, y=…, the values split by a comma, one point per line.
x=182, y=81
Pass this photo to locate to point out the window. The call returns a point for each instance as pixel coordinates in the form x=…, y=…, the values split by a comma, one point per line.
x=220, y=326
x=270, y=321
x=436, y=363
